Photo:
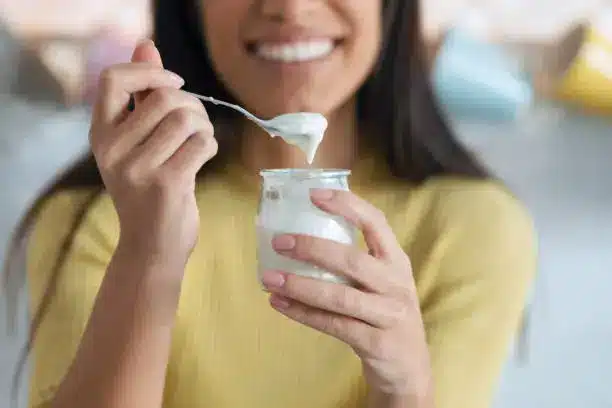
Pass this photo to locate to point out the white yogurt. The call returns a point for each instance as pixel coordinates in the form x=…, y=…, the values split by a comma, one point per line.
x=285, y=207
x=304, y=130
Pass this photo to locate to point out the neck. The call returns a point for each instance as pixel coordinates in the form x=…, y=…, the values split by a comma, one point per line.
x=337, y=150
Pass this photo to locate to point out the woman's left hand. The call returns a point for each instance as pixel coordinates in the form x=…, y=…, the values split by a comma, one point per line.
x=380, y=317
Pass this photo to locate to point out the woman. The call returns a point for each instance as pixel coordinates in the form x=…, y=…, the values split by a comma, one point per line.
x=451, y=252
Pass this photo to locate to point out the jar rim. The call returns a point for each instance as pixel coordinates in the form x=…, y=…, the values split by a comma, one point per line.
x=305, y=173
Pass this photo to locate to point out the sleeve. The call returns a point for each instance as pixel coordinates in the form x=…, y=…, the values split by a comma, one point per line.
x=83, y=267
x=473, y=288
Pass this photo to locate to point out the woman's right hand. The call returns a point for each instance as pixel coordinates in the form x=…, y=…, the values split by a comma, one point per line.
x=149, y=158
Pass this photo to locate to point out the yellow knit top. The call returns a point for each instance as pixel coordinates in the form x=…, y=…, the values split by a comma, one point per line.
x=473, y=251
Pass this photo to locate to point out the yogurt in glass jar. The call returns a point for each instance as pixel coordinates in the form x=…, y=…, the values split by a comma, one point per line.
x=285, y=207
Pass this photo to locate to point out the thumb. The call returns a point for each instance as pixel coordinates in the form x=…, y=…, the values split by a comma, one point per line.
x=146, y=51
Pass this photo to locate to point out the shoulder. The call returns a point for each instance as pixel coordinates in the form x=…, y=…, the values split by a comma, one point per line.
x=471, y=230
x=64, y=216
x=64, y=209
x=478, y=205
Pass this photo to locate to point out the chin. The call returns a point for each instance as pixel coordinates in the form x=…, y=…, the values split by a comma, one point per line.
x=294, y=75
x=317, y=102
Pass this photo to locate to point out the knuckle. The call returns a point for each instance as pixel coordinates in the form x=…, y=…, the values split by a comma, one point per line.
x=131, y=174
x=210, y=151
x=353, y=260
x=196, y=103
x=377, y=345
x=206, y=145
x=300, y=314
x=212, y=146
x=207, y=128
x=180, y=118
x=108, y=77
x=340, y=299
x=304, y=247
x=334, y=325
x=396, y=312
x=160, y=97
x=162, y=182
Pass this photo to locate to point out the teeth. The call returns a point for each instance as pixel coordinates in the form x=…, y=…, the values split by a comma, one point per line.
x=295, y=52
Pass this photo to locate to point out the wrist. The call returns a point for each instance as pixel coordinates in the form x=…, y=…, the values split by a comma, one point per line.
x=146, y=283
x=381, y=399
x=149, y=256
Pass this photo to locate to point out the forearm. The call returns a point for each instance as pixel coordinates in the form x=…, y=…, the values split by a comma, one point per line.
x=122, y=358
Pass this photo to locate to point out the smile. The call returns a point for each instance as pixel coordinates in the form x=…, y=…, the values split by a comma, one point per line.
x=300, y=51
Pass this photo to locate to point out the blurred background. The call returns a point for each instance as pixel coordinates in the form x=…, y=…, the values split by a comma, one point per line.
x=526, y=84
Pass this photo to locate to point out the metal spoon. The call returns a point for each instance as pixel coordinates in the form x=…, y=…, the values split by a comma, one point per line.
x=291, y=126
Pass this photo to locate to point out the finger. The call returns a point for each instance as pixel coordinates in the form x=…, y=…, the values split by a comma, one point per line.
x=373, y=309
x=120, y=81
x=377, y=233
x=338, y=258
x=193, y=154
x=347, y=329
x=148, y=116
x=146, y=51
x=169, y=136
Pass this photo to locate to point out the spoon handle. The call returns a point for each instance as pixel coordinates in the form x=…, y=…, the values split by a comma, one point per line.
x=240, y=109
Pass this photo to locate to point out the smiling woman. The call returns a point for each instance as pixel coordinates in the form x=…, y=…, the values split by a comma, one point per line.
x=148, y=315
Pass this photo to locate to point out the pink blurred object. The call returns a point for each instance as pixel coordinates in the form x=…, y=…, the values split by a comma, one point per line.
x=106, y=48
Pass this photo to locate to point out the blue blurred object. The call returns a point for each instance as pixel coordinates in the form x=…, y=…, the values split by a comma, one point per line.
x=476, y=80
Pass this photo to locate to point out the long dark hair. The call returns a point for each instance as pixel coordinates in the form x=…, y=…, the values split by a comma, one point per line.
x=396, y=101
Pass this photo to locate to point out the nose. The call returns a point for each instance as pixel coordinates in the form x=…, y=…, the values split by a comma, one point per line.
x=287, y=10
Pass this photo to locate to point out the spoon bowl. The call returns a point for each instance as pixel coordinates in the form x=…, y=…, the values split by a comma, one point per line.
x=302, y=129
x=285, y=124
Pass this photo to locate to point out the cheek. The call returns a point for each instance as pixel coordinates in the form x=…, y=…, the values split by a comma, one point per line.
x=367, y=26
x=220, y=22
x=363, y=49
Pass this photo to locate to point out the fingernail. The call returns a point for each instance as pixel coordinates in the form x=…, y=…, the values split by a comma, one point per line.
x=283, y=242
x=273, y=279
x=176, y=78
x=321, y=194
x=279, y=302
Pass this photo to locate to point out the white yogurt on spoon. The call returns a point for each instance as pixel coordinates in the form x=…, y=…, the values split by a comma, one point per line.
x=304, y=130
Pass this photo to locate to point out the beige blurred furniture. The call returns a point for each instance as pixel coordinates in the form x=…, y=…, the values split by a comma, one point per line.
x=24, y=74
x=64, y=59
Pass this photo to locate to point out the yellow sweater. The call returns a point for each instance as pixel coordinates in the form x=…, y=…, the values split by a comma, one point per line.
x=473, y=251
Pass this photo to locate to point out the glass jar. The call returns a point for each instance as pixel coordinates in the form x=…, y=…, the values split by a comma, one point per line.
x=285, y=207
